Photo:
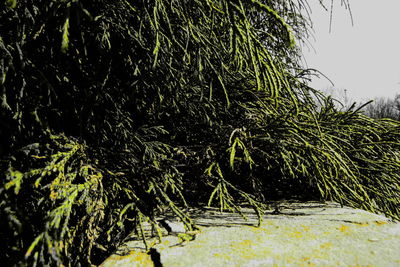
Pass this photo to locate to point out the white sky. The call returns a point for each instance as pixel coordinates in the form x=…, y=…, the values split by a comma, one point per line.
x=364, y=59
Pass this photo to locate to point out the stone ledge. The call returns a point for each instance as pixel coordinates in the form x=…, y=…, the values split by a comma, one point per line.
x=303, y=234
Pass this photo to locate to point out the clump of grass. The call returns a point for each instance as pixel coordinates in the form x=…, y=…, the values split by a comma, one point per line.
x=334, y=155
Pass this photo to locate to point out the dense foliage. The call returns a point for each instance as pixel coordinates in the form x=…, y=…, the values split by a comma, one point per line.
x=114, y=111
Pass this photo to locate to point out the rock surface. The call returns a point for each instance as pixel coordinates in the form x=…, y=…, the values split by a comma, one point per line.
x=303, y=234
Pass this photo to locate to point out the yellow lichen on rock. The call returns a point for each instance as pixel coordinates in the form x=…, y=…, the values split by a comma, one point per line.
x=133, y=258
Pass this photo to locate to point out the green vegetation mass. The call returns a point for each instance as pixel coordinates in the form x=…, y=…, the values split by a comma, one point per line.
x=115, y=111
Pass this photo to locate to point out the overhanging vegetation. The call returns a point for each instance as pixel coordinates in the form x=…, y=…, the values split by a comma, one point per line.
x=114, y=111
